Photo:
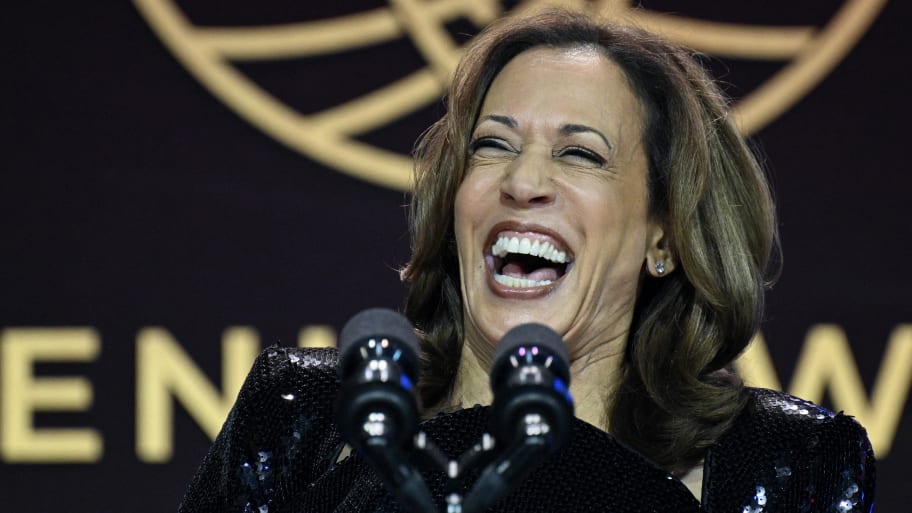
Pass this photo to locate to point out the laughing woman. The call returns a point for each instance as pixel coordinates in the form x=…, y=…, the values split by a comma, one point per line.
x=588, y=177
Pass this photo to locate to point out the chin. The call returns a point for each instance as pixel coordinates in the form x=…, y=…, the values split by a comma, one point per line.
x=493, y=321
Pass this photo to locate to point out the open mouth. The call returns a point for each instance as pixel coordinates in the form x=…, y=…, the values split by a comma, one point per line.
x=523, y=262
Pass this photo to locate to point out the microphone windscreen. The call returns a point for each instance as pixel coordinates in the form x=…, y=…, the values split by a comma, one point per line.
x=532, y=334
x=377, y=323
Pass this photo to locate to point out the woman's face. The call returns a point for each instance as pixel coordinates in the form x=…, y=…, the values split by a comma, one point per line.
x=552, y=220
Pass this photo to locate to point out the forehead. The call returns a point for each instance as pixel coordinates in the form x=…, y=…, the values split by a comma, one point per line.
x=564, y=85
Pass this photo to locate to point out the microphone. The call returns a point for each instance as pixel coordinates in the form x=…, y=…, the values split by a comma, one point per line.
x=377, y=412
x=532, y=410
x=531, y=376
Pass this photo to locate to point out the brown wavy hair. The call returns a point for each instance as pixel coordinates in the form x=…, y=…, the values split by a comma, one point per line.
x=676, y=397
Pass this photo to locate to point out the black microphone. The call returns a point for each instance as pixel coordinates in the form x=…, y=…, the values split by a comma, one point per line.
x=532, y=412
x=377, y=412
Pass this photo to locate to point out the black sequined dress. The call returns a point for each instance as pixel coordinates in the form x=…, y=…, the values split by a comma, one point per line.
x=277, y=453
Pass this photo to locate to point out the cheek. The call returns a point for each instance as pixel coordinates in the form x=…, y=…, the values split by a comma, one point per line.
x=470, y=201
x=617, y=222
x=461, y=209
x=465, y=210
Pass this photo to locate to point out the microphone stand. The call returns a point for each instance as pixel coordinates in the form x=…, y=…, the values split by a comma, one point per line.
x=511, y=467
x=501, y=472
x=380, y=417
x=401, y=478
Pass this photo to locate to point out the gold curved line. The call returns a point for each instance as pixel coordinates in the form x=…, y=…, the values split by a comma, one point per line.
x=301, y=39
x=481, y=12
x=316, y=37
x=612, y=8
x=263, y=111
x=531, y=6
x=716, y=38
x=429, y=35
x=380, y=106
x=727, y=39
x=365, y=162
x=814, y=62
x=621, y=6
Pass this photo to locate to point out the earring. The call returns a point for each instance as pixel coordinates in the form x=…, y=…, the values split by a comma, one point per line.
x=660, y=267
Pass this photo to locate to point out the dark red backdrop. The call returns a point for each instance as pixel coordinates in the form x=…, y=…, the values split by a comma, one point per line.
x=132, y=198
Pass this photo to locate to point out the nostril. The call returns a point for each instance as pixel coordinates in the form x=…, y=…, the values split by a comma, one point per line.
x=527, y=185
x=526, y=199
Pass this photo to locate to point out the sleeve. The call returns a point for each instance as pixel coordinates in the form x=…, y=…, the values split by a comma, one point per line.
x=278, y=438
x=784, y=455
x=843, y=469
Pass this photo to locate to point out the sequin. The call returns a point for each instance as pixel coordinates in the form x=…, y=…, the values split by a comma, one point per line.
x=757, y=502
x=275, y=454
x=760, y=497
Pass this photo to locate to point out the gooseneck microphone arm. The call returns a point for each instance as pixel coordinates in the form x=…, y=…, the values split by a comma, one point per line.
x=509, y=469
x=400, y=477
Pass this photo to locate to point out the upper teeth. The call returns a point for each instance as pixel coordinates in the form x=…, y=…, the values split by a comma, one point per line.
x=525, y=246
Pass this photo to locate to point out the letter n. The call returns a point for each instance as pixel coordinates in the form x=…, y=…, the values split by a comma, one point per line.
x=164, y=372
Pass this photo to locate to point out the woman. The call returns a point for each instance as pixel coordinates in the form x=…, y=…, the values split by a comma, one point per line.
x=588, y=177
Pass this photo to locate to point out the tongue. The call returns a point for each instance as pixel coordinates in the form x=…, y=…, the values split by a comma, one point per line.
x=542, y=273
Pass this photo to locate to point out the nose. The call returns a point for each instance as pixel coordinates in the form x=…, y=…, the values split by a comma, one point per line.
x=528, y=182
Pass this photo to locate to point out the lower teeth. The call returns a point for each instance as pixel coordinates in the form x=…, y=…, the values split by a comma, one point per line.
x=519, y=283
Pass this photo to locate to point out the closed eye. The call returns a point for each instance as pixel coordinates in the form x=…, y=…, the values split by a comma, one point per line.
x=489, y=146
x=581, y=154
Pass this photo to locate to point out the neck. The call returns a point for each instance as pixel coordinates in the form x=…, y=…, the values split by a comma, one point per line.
x=473, y=378
x=594, y=377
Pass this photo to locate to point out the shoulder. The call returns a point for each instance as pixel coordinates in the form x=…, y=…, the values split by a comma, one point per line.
x=286, y=379
x=786, y=413
x=279, y=436
x=286, y=401
x=794, y=422
x=277, y=362
x=785, y=450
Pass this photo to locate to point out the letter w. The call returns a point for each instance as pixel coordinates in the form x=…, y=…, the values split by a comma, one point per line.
x=827, y=364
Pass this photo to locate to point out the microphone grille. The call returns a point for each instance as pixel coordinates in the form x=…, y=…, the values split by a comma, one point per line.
x=532, y=333
x=377, y=323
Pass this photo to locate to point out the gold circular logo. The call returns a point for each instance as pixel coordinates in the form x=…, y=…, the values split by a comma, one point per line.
x=810, y=52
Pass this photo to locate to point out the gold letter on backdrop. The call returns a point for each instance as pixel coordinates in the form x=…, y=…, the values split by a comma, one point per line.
x=21, y=394
x=163, y=370
x=317, y=335
x=827, y=364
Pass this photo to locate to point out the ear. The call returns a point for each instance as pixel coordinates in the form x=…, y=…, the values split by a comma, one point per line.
x=660, y=258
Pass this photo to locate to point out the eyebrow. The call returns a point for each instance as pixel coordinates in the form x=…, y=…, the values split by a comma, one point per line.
x=570, y=128
x=505, y=120
x=576, y=129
